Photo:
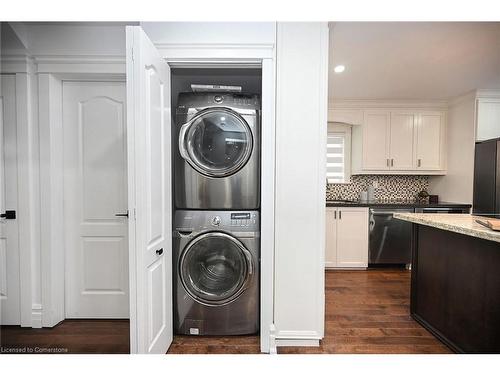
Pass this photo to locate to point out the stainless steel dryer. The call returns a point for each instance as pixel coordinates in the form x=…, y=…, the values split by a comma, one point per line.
x=216, y=272
x=217, y=151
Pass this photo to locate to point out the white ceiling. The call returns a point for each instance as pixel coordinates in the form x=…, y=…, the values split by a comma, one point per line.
x=410, y=60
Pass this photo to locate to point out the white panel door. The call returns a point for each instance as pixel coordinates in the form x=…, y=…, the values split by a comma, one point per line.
x=95, y=191
x=352, y=237
x=401, y=140
x=376, y=140
x=9, y=240
x=429, y=141
x=148, y=102
x=331, y=237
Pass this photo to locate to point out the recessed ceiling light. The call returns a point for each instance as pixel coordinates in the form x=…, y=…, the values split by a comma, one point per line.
x=339, y=69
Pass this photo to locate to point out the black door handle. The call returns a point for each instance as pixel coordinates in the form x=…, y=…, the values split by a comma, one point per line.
x=122, y=215
x=9, y=214
x=159, y=251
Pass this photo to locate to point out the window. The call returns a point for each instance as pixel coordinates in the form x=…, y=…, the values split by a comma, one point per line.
x=338, y=153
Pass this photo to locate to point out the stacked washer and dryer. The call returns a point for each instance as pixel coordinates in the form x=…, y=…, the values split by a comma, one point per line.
x=216, y=236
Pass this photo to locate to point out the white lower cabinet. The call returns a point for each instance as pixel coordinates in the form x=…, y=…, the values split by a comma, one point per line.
x=346, y=237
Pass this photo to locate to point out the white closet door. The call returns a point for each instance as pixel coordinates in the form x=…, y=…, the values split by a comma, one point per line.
x=9, y=235
x=148, y=103
x=95, y=190
x=401, y=143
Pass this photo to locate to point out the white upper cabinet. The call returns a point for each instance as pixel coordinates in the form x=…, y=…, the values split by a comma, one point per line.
x=403, y=141
x=429, y=141
x=488, y=118
x=375, y=133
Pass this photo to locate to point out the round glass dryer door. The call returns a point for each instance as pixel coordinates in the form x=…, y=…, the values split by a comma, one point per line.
x=215, y=268
x=218, y=142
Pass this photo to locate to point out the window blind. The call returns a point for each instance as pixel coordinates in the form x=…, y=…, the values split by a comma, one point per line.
x=335, y=157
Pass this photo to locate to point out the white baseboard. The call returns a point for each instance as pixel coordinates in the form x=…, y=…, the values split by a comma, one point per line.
x=297, y=342
x=36, y=316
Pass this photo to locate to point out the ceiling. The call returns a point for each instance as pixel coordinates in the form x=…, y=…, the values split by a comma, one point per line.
x=413, y=60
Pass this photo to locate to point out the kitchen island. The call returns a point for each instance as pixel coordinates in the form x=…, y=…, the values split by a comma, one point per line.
x=455, y=281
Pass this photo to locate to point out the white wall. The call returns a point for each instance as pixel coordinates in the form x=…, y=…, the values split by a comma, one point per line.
x=301, y=121
x=76, y=38
x=457, y=185
x=236, y=33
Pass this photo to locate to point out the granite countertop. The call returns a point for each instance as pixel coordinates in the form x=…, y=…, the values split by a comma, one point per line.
x=458, y=223
x=393, y=203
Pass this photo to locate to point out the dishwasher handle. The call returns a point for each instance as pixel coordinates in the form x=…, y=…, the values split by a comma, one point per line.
x=389, y=211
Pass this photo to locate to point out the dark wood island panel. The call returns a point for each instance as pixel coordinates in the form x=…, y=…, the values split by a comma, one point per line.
x=455, y=288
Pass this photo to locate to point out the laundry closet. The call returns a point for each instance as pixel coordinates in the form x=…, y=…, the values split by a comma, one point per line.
x=213, y=224
x=216, y=126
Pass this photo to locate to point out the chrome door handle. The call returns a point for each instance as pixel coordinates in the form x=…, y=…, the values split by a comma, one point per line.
x=122, y=215
x=182, y=135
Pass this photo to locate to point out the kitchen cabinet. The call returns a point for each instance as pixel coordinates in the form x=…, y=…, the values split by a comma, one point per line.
x=375, y=134
x=488, y=118
x=346, y=237
x=429, y=141
x=400, y=142
x=401, y=155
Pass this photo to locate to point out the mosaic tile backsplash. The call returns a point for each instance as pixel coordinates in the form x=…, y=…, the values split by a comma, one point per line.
x=390, y=188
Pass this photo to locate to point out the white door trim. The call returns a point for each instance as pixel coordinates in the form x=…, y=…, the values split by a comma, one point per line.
x=197, y=56
x=51, y=189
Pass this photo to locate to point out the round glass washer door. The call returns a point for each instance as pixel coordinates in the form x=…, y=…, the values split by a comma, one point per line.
x=215, y=268
x=217, y=142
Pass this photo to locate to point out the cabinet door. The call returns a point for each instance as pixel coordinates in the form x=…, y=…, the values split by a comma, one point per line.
x=488, y=119
x=352, y=237
x=331, y=237
x=401, y=140
x=375, y=140
x=429, y=139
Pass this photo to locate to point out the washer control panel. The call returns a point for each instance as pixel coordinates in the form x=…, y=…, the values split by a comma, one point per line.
x=232, y=221
x=243, y=219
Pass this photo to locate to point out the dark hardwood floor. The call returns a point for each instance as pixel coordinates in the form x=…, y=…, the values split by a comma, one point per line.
x=73, y=336
x=366, y=312
x=369, y=312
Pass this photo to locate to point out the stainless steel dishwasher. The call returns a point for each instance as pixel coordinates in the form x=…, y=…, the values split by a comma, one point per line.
x=389, y=239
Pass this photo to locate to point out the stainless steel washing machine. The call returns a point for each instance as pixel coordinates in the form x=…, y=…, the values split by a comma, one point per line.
x=217, y=151
x=216, y=272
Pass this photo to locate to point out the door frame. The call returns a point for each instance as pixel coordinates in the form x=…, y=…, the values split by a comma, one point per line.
x=52, y=239
x=23, y=69
x=262, y=56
